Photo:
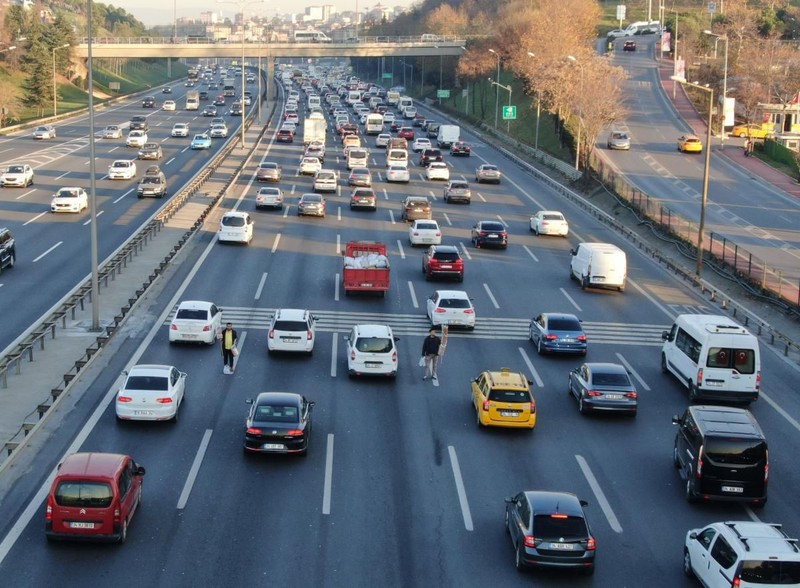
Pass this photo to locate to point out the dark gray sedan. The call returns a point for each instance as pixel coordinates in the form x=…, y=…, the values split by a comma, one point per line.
x=603, y=387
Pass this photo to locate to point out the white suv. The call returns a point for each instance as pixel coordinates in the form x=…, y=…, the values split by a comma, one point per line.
x=292, y=330
x=742, y=553
x=371, y=350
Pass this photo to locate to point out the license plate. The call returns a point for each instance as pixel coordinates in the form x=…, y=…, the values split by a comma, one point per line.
x=613, y=396
x=447, y=267
x=493, y=236
x=366, y=285
x=595, y=279
x=273, y=446
x=80, y=525
x=190, y=336
x=455, y=322
x=143, y=412
x=734, y=489
x=508, y=413
x=568, y=340
x=290, y=339
x=714, y=383
x=562, y=546
x=373, y=364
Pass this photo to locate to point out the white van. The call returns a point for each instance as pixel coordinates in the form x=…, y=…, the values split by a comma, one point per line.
x=353, y=96
x=314, y=102
x=714, y=357
x=642, y=26
x=410, y=112
x=371, y=350
x=235, y=227
x=600, y=265
x=357, y=157
x=397, y=157
x=404, y=102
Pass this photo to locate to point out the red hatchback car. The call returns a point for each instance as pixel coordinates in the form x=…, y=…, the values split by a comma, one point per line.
x=406, y=133
x=285, y=136
x=443, y=260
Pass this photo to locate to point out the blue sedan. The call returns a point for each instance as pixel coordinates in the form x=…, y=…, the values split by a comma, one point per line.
x=201, y=142
x=558, y=333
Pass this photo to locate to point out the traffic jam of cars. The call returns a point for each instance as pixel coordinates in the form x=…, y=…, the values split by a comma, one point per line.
x=353, y=141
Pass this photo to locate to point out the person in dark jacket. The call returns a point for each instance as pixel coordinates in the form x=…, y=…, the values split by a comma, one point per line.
x=430, y=353
x=228, y=340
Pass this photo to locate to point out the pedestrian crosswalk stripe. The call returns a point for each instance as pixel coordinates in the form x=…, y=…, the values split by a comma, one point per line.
x=648, y=335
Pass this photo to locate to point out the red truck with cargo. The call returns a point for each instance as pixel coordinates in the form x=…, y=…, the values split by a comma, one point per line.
x=366, y=267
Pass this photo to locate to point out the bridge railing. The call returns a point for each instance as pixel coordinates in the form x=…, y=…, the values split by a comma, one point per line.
x=449, y=40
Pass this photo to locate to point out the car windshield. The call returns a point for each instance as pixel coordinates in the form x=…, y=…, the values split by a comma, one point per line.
x=151, y=180
x=233, y=221
x=269, y=191
x=84, y=494
x=16, y=169
x=192, y=314
x=605, y=379
x=269, y=166
x=454, y=303
x=735, y=451
x=275, y=413
x=771, y=572
x=67, y=194
x=284, y=325
x=563, y=324
x=374, y=344
x=154, y=383
x=553, y=217
x=559, y=527
x=509, y=396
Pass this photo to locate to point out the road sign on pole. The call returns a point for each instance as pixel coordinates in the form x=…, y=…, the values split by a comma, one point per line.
x=509, y=112
x=443, y=93
x=388, y=75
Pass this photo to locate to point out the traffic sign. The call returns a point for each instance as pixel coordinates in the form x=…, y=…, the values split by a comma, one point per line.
x=387, y=75
x=443, y=93
x=509, y=112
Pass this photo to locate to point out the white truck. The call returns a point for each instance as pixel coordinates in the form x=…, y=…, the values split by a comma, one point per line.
x=448, y=134
x=314, y=130
x=192, y=100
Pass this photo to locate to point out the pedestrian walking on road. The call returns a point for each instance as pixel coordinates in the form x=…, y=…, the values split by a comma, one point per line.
x=430, y=355
x=228, y=338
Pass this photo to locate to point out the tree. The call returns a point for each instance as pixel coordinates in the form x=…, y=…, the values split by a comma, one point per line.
x=38, y=86
x=10, y=103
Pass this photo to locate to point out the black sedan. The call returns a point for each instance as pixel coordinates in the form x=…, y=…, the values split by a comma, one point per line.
x=629, y=46
x=555, y=332
x=149, y=102
x=489, y=234
x=603, y=387
x=550, y=530
x=166, y=90
x=278, y=422
x=210, y=110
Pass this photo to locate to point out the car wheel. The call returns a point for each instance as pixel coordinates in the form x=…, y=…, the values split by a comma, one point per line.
x=535, y=230
x=693, y=395
x=12, y=260
x=588, y=571
x=675, y=459
x=123, y=535
x=582, y=406
x=506, y=523
x=687, y=564
x=689, y=490
x=664, y=368
x=584, y=282
x=539, y=347
x=518, y=561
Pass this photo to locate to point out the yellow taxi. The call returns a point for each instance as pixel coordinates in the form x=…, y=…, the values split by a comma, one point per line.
x=753, y=130
x=503, y=399
x=690, y=144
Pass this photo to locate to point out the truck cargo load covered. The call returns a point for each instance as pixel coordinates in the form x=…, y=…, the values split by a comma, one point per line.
x=366, y=267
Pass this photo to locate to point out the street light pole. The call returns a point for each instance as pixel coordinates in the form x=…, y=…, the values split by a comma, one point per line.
x=497, y=90
x=507, y=89
x=92, y=180
x=724, y=82
x=55, y=85
x=706, y=170
x=538, y=111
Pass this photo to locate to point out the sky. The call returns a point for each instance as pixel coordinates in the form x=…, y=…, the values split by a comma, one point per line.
x=161, y=12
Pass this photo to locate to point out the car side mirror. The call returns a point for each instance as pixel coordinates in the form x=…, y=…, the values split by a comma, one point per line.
x=124, y=373
x=311, y=404
x=676, y=420
x=665, y=336
x=693, y=535
x=584, y=503
x=530, y=382
x=572, y=252
x=140, y=471
x=508, y=500
x=249, y=401
x=183, y=374
x=397, y=338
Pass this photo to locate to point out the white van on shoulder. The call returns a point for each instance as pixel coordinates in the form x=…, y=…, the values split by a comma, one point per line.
x=716, y=358
x=599, y=265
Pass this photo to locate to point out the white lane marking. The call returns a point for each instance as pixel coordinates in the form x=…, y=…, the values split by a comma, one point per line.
x=25, y=194
x=480, y=196
x=447, y=219
x=491, y=296
x=89, y=221
x=525, y=247
x=326, y=488
x=402, y=251
x=339, y=213
x=633, y=372
x=599, y=495
x=48, y=251
x=38, y=216
x=240, y=347
x=529, y=363
x=275, y=243
x=391, y=217
x=433, y=196
x=464, y=249
x=413, y=294
x=62, y=175
x=385, y=193
x=195, y=469
x=571, y=300
x=647, y=295
x=294, y=186
x=504, y=223
x=123, y=196
x=170, y=160
x=336, y=288
x=462, y=494
x=338, y=244
x=286, y=211
x=791, y=420
x=261, y=285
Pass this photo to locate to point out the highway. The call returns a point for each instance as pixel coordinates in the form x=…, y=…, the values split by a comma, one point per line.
x=53, y=250
x=753, y=214
x=400, y=487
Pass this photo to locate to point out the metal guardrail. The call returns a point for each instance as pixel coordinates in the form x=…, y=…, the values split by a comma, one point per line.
x=417, y=39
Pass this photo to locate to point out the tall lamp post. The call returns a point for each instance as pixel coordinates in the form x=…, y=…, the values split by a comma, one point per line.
x=718, y=38
x=55, y=85
x=573, y=59
x=507, y=89
x=538, y=112
x=706, y=168
x=92, y=179
x=497, y=90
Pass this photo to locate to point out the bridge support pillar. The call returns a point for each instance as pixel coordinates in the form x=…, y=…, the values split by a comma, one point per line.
x=270, y=79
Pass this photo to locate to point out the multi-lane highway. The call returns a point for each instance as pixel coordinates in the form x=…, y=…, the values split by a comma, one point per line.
x=401, y=487
x=53, y=250
x=753, y=214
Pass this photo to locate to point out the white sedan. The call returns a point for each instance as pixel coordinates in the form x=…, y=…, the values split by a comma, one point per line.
x=310, y=166
x=180, y=130
x=136, y=139
x=112, y=132
x=18, y=174
x=45, y=132
x=398, y=173
x=549, y=222
x=168, y=105
x=70, y=200
x=438, y=170
x=122, y=169
x=218, y=131
x=451, y=307
x=382, y=140
x=151, y=393
x=424, y=232
x=420, y=144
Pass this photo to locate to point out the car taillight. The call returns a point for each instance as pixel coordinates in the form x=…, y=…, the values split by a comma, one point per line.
x=482, y=233
x=485, y=405
x=581, y=338
x=559, y=515
x=545, y=223
x=758, y=381
x=353, y=355
x=164, y=400
x=594, y=393
x=551, y=337
x=631, y=395
x=253, y=431
x=271, y=334
x=737, y=582
x=700, y=378
x=124, y=399
x=48, y=513
x=117, y=515
x=309, y=335
x=533, y=407
x=530, y=541
x=766, y=467
x=207, y=328
x=416, y=234
x=438, y=234
x=440, y=310
x=394, y=356
x=174, y=327
x=469, y=311
x=591, y=544
x=699, y=472
x=295, y=433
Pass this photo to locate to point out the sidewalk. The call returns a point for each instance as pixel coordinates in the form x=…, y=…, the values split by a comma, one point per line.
x=733, y=150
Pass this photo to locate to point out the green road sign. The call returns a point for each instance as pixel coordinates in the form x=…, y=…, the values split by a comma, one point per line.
x=509, y=112
x=443, y=93
x=388, y=75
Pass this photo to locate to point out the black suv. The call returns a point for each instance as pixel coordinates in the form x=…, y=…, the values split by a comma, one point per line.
x=203, y=95
x=429, y=155
x=489, y=233
x=8, y=254
x=148, y=102
x=550, y=530
x=139, y=123
x=721, y=453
